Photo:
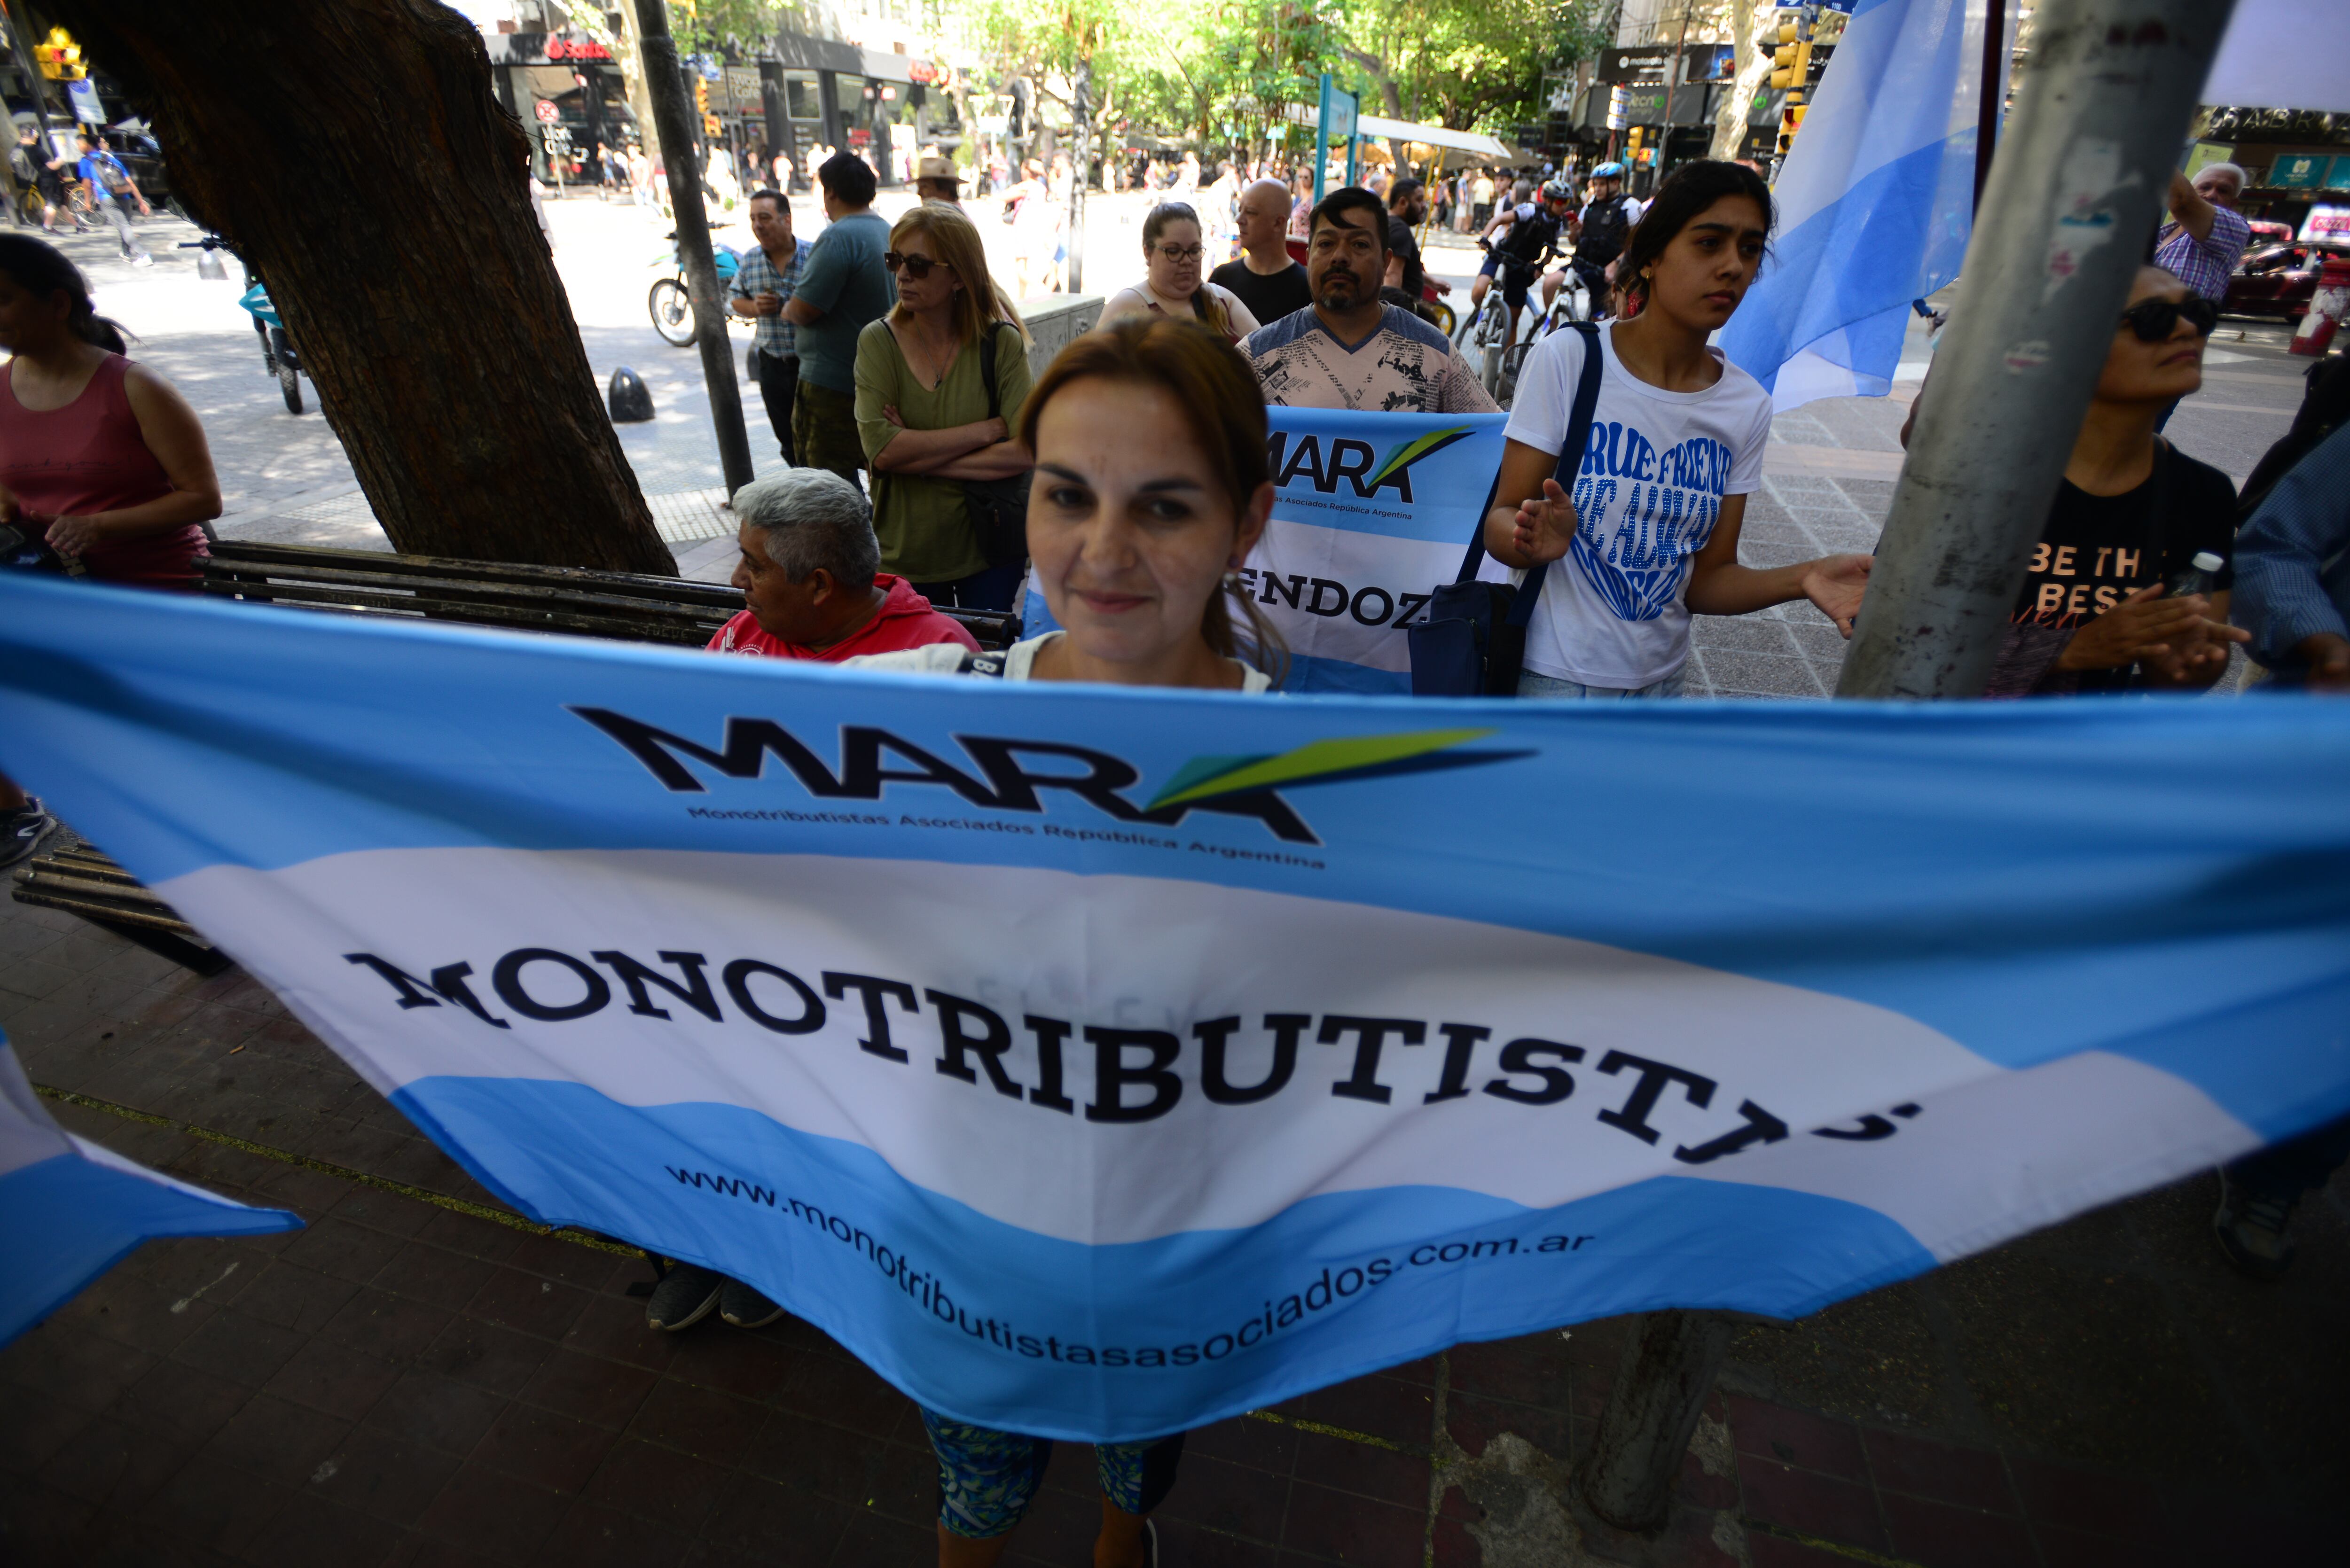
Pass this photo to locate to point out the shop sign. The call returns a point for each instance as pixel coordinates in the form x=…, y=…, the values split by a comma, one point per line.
x=577, y=48
x=2298, y=171
x=2326, y=223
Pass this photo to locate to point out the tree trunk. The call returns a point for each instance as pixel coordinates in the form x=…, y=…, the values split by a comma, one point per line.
x=1729, y=120
x=406, y=265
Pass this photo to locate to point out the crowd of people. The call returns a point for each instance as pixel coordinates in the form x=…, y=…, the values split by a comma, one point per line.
x=1129, y=483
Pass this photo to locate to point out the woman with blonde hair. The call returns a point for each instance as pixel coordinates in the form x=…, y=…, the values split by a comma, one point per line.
x=939, y=384
x=1175, y=283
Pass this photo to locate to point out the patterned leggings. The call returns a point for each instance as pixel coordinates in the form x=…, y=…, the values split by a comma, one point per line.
x=986, y=1478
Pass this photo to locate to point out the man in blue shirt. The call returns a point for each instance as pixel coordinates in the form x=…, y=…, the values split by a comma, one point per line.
x=2292, y=571
x=111, y=189
x=842, y=286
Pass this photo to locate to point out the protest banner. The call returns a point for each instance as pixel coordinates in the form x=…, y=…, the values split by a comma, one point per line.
x=70, y=1209
x=1096, y=1063
x=1371, y=512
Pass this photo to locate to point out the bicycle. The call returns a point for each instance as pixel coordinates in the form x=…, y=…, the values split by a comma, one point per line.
x=669, y=304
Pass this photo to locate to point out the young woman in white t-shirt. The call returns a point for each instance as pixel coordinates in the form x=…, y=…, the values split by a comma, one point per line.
x=1650, y=532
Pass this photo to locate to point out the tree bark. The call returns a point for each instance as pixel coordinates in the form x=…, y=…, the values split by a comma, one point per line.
x=1729, y=120
x=354, y=156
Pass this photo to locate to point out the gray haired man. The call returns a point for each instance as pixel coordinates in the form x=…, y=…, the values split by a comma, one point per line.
x=811, y=576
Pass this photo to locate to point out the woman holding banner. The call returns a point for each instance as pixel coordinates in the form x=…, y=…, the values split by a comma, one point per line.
x=1136, y=544
x=1676, y=446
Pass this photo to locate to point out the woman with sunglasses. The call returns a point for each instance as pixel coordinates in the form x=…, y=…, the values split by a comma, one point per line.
x=1176, y=284
x=929, y=422
x=2131, y=515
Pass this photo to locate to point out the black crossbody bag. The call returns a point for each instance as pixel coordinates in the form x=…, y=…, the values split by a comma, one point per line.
x=999, y=507
x=1473, y=642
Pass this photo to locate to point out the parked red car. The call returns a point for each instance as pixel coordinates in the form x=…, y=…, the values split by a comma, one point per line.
x=2278, y=280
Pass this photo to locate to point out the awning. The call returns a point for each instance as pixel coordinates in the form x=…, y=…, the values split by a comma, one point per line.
x=1432, y=135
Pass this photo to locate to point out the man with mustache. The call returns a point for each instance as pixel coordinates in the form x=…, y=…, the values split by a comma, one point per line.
x=1351, y=350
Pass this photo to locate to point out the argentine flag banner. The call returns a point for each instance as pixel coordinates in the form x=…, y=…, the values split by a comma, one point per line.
x=1875, y=202
x=1371, y=512
x=1095, y=1063
x=70, y=1209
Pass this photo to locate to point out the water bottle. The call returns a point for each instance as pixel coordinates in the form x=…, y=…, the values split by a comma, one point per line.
x=2200, y=573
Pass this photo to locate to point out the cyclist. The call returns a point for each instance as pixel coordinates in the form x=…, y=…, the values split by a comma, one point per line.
x=1520, y=240
x=1605, y=228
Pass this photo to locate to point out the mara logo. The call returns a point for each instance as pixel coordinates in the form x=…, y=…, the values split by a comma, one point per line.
x=1003, y=775
x=1355, y=462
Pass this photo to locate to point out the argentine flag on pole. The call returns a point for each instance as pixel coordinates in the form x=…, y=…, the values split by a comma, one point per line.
x=1875, y=202
x=70, y=1209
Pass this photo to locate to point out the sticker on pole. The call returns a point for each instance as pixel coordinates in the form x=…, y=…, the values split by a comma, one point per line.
x=547, y=111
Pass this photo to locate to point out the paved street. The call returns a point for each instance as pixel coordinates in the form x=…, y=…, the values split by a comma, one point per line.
x=422, y=1377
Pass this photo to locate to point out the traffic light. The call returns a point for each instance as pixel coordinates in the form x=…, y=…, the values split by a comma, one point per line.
x=60, y=57
x=1791, y=62
x=1791, y=121
x=700, y=97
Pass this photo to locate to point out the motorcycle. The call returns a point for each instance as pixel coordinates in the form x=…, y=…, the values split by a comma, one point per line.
x=670, y=303
x=278, y=355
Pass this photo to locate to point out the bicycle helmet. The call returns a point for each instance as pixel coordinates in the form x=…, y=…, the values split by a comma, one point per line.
x=1609, y=172
x=1557, y=191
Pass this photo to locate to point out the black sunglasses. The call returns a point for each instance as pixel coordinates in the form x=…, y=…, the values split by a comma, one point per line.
x=916, y=267
x=2155, y=320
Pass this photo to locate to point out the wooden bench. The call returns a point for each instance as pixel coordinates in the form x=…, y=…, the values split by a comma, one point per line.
x=618, y=605
x=73, y=876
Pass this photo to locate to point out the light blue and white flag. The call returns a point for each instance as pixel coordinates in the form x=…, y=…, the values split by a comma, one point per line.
x=1096, y=1063
x=1875, y=202
x=70, y=1209
x=1371, y=513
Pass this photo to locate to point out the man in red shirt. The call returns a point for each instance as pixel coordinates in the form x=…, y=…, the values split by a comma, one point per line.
x=811, y=579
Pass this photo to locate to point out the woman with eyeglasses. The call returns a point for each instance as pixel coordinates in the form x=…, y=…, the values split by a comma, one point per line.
x=937, y=433
x=1176, y=283
x=2131, y=515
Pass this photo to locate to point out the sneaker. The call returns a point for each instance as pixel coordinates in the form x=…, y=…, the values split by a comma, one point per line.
x=684, y=1297
x=743, y=1307
x=22, y=831
x=142, y=261
x=2251, y=1226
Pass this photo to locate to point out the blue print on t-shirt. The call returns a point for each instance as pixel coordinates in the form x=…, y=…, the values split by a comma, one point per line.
x=1641, y=513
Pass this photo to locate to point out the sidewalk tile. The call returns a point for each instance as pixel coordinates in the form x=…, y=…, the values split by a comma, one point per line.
x=1194, y=1546
x=527, y=1305
x=659, y=1483
x=1378, y=1473
x=752, y=1364
x=334, y=1380
x=173, y=1398
x=379, y=1474
x=277, y=1439
x=1797, y=1437
x=1332, y=1525
x=492, y=1515
x=706, y=1422
x=1474, y=1421
x=1816, y=1504
x=543, y=1449
x=239, y=1347
x=433, y=1275
x=798, y=1452
x=347, y=1252
x=1225, y=1497
x=1941, y=1536
x=842, y=1394
x=69, y=1361
x=295, y=1297
x=387, y=1326
x=40, y=1423
x=2072, y=1549
x=615, y=1327
x=1527, y=1371
x=439, y=1412
x=1264, y=1445
x=2125, y=1507
x=1399, y=1412
x=115, y=1465
x=871, y=1541
x=592, y=1537
x=1941, y=1473
x=590, y=1389
x=1772, y=1552
x=310, y=1530
x=210, y=1504
x=496, y=1358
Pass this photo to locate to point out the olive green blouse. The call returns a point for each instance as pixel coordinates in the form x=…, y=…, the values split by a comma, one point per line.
x=925, y=528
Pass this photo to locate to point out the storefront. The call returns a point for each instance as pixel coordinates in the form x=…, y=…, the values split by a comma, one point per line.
x=579, y=78
x=882, y=106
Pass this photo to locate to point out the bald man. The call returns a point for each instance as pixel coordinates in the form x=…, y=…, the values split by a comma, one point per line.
x=1269, y=284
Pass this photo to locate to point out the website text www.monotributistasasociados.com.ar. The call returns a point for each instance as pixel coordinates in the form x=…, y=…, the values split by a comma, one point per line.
x=927, y=1289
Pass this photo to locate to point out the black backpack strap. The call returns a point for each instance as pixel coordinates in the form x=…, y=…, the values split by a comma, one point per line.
x=1570, y=460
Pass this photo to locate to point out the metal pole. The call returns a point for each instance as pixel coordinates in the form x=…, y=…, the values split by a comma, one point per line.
x=1989, y=105
x=1661, y=1384
x=2109, y=87
x=672, y=118
x=1081, y=145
